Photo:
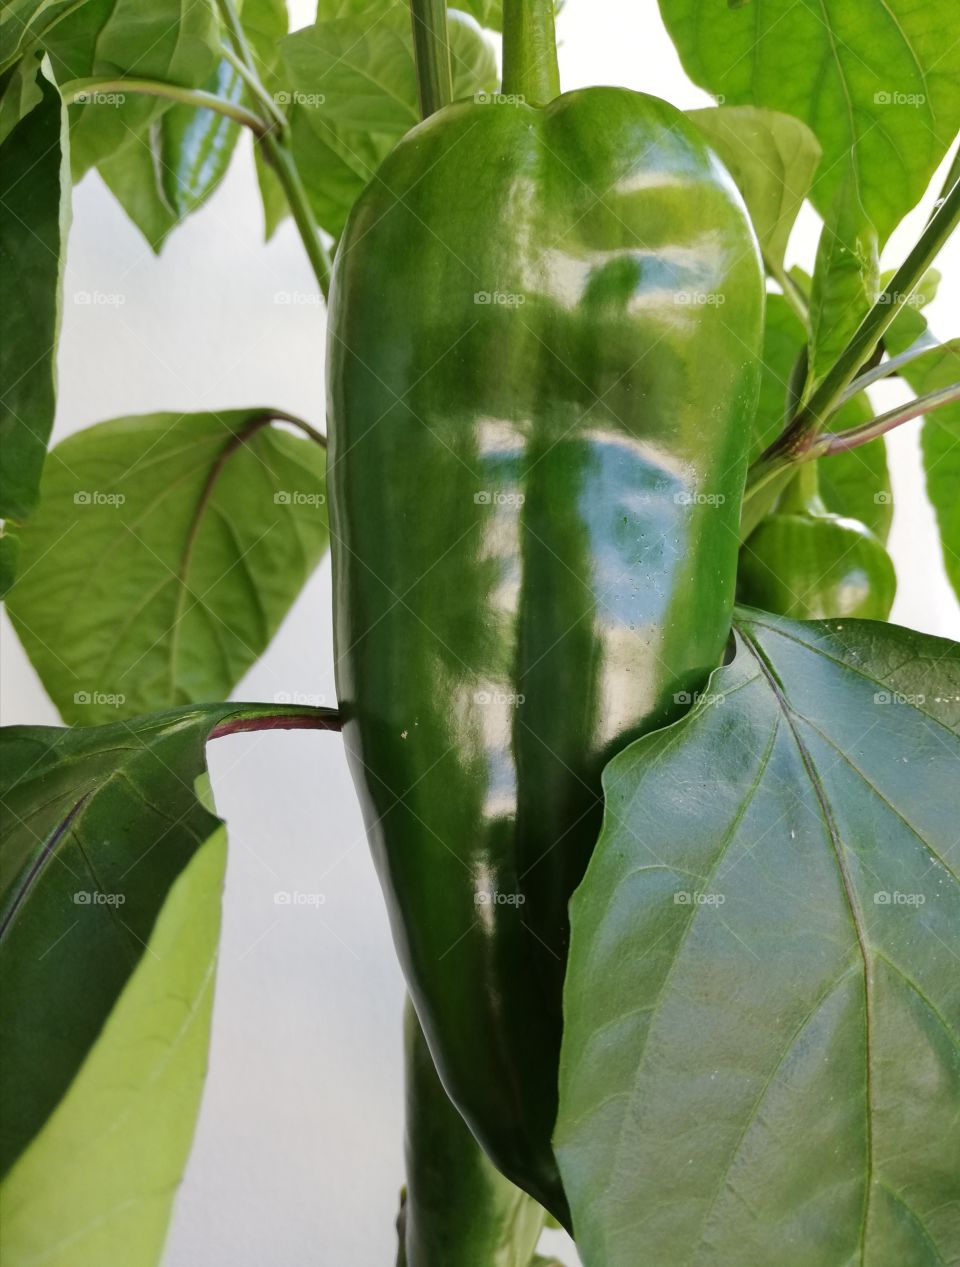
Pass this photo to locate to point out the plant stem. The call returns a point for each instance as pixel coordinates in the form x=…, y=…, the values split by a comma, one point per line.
x=802, y=431
x=273, y=717
x=840, y=441
x=281, y=160
x=77, y=90
x=254, y=84
x=530, y=68
x=431, y=53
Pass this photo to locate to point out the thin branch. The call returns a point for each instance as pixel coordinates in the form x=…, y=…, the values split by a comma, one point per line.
x=852, y=438
x=888, y=368
x=79, y=91
x=280, y=415
x=282, y=161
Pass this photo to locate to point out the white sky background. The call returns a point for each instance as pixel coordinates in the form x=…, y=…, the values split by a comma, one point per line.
x=297, y=1159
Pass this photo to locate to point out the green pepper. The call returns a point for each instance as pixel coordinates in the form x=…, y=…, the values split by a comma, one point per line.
x=804, y=562
x=458, y=1210
x=543, y=358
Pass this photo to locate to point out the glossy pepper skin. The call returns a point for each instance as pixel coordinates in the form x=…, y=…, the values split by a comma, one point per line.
x=804, y=562
x=544, y=336
x=458, y=1211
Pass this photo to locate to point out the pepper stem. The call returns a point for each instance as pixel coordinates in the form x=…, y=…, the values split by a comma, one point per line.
x=431, y=53
x=530, y=68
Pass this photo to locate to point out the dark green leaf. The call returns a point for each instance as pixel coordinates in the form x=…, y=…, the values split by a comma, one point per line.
x=34, y=219
x=164, y=553
x=773, y=158
x=9, y=560
x=99, y=822
x=20, y=91
x=878, y=84
x=761, y=1057
x=165, y=39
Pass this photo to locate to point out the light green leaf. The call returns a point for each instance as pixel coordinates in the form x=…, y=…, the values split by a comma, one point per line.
x=761, y=1056
x=163, y=556
x=166, y=40
x=773, y=158
x=339, y=142
x=176, y=163
x=879, y=85
x=355, y=73
x=488, y=13
x=96, y=1186
x=846, y=281
x=34, y=222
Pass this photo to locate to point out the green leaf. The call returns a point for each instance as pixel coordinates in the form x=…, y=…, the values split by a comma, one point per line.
x=761, y=1057
x=354, y=73
x=855, y=483
x=772, y=157
x=165, y=39
x=34, y=221
x=265, y=23
x=846, y=281
x=176, y=163
x=488, y=13
x=98, y=824
x=341, y=133
x=20, y=91
x=105, y=1168
x=879, y=85
x=940, y=444
x=9, y=560
x=164, y=553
